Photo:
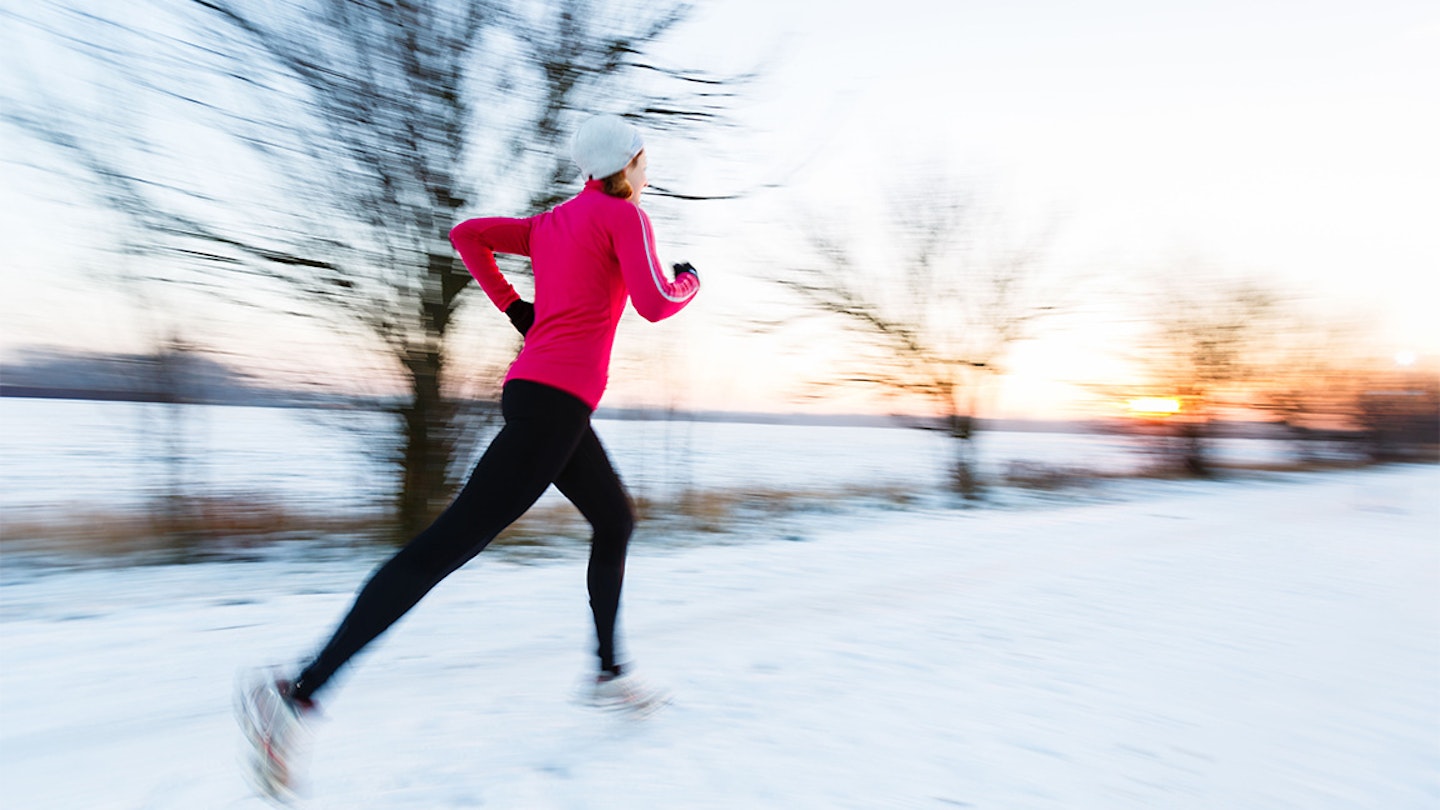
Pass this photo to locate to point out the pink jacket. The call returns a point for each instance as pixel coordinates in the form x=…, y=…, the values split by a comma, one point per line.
x=588, y=254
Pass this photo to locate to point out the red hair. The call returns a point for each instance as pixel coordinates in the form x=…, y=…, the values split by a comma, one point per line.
x=616, y=185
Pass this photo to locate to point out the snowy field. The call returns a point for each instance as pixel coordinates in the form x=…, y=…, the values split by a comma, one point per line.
x=1261, y=643
x=59, y=456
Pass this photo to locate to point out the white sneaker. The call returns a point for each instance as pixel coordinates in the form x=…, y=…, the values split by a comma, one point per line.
x=627, y=693
x=276, y=729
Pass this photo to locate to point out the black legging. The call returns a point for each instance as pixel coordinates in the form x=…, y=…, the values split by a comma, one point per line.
x=546, y=439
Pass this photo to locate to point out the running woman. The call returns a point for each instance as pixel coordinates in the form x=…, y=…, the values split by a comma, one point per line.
x=589, y=255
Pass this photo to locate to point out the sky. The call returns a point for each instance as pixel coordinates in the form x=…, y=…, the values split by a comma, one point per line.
x=1287, y=141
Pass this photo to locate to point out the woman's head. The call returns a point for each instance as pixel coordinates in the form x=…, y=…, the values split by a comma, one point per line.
x=608, y=148
x=629, y=182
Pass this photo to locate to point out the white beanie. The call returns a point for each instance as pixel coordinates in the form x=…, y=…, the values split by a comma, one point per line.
x=604, y=145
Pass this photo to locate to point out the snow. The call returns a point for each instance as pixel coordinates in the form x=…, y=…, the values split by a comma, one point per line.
x=1267, y=642
x=68, y=456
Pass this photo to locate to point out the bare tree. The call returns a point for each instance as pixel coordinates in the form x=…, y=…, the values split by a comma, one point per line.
x=1310, y=383
x=355, y=127
x=1396, y=413
x=1209, y=348
x=937, y=310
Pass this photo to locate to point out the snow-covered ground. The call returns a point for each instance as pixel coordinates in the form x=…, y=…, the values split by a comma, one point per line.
x=1263, y=643
x=59, y=457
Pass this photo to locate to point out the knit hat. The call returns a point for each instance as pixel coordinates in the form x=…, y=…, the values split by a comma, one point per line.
x=604, y=145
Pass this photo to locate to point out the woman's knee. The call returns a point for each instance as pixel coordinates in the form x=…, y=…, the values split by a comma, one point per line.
x=619, y=526
x=612, y=533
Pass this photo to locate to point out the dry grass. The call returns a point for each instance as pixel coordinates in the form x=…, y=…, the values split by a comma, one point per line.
x=1313, y=465
x=1046, y=477
x=204, y=528
x=1032, y=475
x=712, y=511
x=194, y=527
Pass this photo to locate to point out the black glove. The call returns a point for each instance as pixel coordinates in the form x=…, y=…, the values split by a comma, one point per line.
x=685, y=267
x=522, y=315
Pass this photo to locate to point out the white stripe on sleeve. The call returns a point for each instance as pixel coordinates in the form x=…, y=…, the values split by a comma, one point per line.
x=655, y=274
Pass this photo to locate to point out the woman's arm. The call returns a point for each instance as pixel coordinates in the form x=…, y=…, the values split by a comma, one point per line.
x=478, y=240
x=654, y=296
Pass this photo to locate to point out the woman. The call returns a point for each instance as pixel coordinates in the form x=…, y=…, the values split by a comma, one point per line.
x=588, y=255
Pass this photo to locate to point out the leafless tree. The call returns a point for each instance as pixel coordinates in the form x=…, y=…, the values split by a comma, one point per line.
x=354, y=132
x=936, y=308
x=1209, y=347
x=1310, y=383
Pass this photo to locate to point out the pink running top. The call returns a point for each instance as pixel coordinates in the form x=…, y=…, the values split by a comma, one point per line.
x=588, y=254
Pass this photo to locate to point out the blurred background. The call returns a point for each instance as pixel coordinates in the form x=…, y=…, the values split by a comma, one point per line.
x=952, y=254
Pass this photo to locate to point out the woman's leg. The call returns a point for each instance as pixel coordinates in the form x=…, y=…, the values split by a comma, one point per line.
x=542, y=428
x=590, y=482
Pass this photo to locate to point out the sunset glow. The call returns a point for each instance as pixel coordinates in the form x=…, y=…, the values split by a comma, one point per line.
x=1154, y=406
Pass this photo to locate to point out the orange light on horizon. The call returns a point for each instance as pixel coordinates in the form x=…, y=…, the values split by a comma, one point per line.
x=1154, y=406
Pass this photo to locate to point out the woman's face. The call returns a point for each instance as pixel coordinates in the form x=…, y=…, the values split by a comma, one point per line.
x=635, y=176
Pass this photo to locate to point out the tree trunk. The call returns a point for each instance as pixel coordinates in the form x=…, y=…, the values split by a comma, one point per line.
x=430, y=441
x=1195, y=447
x=428, y=447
